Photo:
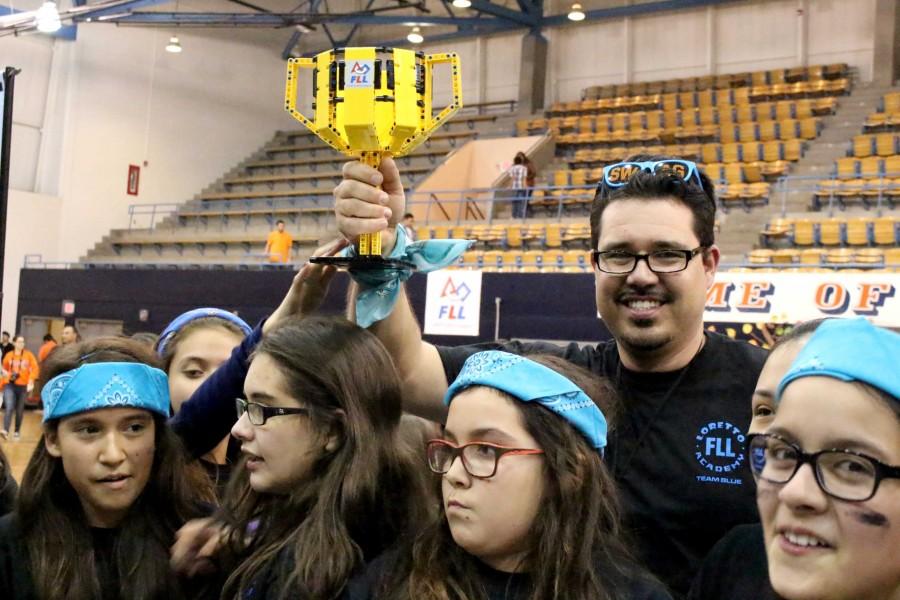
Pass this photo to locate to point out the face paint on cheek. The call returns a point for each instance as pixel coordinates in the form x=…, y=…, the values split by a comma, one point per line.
x=871, y=518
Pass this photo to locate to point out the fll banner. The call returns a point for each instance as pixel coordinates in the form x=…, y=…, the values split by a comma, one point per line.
x=453, y=303
x=793, y=297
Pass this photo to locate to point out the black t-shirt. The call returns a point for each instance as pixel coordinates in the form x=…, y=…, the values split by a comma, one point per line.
x=678, y=453
x=16, y=582
x=736, y=567
x=502, y=586
x=15, y=575
x=6, y=348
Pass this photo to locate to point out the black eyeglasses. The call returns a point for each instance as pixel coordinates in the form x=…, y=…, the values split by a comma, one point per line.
x=260, y=413
x=620, y=262
x=842, y=474
x=479, y=459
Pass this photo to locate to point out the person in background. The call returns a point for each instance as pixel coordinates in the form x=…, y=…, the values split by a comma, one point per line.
x=20, y=371
x=409, y=224
x=46, y=348
x=279, y=244
x=6, y=344
x=69, y=335
x=192, y=347
x=518, y=174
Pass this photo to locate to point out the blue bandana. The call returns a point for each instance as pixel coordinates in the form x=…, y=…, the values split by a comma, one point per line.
x=106, y=385
x=379, y=289
x=529, y=381
x=183, y=319
x=850, y=350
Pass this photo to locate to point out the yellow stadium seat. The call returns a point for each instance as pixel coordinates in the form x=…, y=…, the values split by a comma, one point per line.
x=768, y=131
x=760, y=256
x=811, y=256
x=748, y=131
x=492, y=261
x=892, y=166
x=734, y=173
x=863, y=145
x=553, y=235
x=731, y=153
x=804, y=232
x=858, y=231
x=792, y=149
x=751, y=152
x=847, y=167
x=440, y=232
x=830, y=232
x=552, y=260
x=884, y=231
x=809, y=128
x=871, y=256
x=870, y=166
x=765, y=111
x=423, y=232
x=892, y=256
x=839, y=256
x=886, y=144
x=786, y=256
x=772, y=151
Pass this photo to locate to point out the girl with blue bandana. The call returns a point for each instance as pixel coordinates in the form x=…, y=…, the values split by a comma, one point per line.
x=106, y=488
x=828, y=468
x=323, y=486
x=192, y=347
x=529, y=510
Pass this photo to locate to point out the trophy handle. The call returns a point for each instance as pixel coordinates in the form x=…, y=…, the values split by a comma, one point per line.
x=456, y=82
x=290, y=89
x=369, y=244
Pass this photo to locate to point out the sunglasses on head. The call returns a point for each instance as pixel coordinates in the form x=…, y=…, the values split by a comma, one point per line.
x=618, y=174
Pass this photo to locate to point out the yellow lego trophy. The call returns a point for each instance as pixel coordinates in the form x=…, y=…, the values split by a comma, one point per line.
x=367, y=102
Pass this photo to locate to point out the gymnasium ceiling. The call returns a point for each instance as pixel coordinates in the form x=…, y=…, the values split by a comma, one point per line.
x=302, y=27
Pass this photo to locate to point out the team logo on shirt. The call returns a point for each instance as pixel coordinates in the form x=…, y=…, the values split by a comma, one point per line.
x=719, y=447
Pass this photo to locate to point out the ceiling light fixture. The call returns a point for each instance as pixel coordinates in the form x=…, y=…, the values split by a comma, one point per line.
x=174, y=46
x=415, y=36
x=462, y=3
x=47, y=18
x=576, y=14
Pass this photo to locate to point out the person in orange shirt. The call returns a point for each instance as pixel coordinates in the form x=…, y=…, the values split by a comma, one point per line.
x=20, y=370
x=279, y=244
x=47, y=347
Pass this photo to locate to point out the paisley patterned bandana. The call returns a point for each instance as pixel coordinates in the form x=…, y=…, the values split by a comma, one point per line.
x=106, y=385
x=529, y=381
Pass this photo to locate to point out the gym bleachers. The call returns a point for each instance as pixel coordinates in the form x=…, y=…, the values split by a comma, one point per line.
x=291, y=178
x=745, y=129
x=869, y=175
x=861, y=241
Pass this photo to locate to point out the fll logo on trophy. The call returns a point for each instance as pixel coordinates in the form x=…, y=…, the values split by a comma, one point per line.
x=358, y=74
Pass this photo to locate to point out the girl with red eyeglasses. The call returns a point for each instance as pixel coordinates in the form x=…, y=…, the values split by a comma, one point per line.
x=529, y=510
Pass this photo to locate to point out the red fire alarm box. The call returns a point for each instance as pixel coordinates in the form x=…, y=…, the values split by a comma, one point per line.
x=134, y=178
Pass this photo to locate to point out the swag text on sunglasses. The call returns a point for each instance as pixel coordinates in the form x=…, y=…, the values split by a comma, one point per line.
x=617, y=175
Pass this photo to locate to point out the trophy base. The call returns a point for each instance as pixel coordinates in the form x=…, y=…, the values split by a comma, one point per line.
x=364, y=263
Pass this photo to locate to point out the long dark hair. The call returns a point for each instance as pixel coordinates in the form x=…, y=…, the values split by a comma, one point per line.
x=575, y=533
x=358, y=499
x=54, y=529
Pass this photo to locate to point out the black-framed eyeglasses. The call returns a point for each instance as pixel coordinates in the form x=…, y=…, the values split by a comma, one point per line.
x=620, y=262
x=479, y=459
x=842, y=474
x=260, y=413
